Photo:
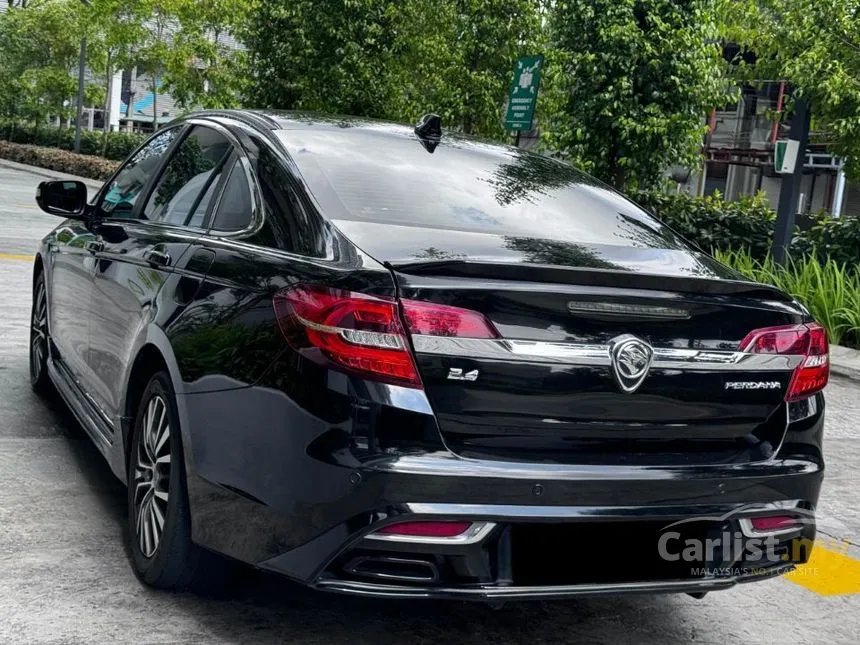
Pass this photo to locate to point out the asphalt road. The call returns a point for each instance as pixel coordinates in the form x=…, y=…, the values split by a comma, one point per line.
x=64, y=575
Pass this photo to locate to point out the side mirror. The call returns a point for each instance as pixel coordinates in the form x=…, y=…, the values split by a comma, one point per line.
x=64, y=198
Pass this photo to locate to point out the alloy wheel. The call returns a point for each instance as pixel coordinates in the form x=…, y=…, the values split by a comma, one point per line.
x=152, y=476
x=38, y=332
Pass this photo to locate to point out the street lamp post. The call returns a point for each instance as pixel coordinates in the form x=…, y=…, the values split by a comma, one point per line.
x=82, y=59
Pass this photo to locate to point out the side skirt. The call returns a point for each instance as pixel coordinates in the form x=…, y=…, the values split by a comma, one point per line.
x=86, y=414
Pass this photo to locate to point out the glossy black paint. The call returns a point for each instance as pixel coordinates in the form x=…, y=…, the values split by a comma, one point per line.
x=290, y=462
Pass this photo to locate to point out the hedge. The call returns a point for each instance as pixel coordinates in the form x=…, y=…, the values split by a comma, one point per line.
x=748, y=225
x=119, y=144
x=59, y=160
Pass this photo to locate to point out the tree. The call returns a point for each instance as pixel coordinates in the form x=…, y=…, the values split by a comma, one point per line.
x=628, y=84
x=40, y=45
x=390, y=59
x=458, y=57
x=327, y=55
x=815, y=45
x=186, y=52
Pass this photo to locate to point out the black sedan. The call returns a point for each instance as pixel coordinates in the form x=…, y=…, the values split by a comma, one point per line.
x=398, y=362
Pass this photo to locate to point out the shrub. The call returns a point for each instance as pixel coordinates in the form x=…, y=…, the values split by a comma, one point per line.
x=119, y=144
x=713, y=223
x=834, y=238
x=59, y=160
x=829, y=289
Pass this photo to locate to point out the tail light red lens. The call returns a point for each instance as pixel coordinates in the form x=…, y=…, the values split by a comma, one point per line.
x=357, y=331
x=427, y=529
x=773, y=523
x=364, y=333
x=430, y=319
x=809, y=341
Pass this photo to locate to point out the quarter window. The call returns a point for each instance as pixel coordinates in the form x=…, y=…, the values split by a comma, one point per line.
x=185, y=189
x=235, y=208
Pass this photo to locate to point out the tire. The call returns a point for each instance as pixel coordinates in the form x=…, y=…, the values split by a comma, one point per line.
x=159, y=521
x=39, y=379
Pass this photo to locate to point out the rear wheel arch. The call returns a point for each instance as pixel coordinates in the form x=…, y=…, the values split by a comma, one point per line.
x=149, y=361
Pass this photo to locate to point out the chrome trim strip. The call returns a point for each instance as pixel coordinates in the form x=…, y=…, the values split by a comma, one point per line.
x=487, y=592
x=474, y=534
x=598, y=355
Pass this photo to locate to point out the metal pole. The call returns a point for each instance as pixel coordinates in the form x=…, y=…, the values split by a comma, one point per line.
x=80, y=110
x=517, y=139
x=839, y=193
x=790, y=189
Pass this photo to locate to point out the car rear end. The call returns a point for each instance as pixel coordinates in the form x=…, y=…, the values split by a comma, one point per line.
x=546, y=410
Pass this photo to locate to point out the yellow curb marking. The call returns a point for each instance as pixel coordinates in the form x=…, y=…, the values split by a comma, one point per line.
x=16, y=256
x=829, y=572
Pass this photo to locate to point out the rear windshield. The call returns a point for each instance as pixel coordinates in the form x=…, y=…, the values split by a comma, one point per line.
x=364, y=175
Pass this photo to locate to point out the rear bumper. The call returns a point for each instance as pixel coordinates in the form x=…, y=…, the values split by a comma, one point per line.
x=280, y=499
x=490, y=593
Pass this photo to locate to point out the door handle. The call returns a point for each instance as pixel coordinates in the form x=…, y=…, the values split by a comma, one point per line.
x=157, y=258
x=95, y=246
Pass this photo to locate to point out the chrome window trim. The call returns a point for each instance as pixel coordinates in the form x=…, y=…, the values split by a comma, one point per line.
x=474, y=534
x=256, y=222
x=598, y=355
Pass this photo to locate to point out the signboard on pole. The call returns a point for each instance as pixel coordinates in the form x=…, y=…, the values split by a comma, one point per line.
x=785, y=155
x=523, y=95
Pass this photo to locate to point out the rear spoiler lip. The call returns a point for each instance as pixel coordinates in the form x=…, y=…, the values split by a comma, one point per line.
x=592, y=277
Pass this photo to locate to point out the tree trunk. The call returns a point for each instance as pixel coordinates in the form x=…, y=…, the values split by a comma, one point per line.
x=108, y=100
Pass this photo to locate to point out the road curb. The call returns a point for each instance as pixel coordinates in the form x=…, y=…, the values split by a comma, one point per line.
x=845, y=361
x=50, y=174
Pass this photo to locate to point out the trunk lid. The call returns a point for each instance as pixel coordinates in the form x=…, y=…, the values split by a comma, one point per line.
x=547, y=392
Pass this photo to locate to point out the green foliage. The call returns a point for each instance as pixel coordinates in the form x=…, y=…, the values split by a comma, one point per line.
x=391, y=59
x=457, y=59
x=829, y=289
x=829, y=237
x=177, y=40
x=815, y=45
x=40, y=47
x=628, y=83
x=119, y=144
x=747, y=226
x=331, y=55
x=713, y=223
x=59, y=160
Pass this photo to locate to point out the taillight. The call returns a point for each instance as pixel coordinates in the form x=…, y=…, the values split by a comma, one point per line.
x=364, y=333
x=809, y=341
x=430, y=319
x=357, y=331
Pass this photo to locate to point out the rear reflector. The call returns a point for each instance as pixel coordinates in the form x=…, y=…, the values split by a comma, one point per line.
x=427, y=529
x=809, y=341
x=773, y=523
x=364, y=333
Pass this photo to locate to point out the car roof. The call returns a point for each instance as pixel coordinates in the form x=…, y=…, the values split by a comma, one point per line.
x=286, y=120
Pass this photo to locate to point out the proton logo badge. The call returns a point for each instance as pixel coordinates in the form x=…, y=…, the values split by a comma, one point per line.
x=630, y=359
